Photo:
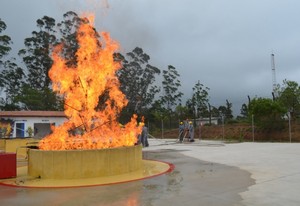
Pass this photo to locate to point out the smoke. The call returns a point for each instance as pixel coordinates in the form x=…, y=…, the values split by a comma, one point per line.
x=82, y=7
x=121, y=19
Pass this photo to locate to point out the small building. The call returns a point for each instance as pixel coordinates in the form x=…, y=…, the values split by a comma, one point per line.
x=206, y=120
x=21, y=124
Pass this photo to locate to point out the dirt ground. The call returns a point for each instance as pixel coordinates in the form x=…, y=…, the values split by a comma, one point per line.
x=239, y=133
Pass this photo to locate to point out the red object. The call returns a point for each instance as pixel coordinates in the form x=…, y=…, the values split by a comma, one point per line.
x=8, y=165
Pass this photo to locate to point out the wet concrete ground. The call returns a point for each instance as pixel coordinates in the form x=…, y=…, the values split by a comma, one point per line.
x=275, y=167
x=192, y=182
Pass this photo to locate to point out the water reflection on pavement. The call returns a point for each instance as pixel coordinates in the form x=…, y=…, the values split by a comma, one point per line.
x=192, y=182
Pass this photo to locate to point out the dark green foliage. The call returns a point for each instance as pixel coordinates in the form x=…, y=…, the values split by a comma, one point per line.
x=198, y=104
x=5, y=42
x=37, y=54
x=11, y=80
x=137, y=79
x=181, y=111
x=171, y=84
x=36, y=93
x=34, y=99
x=171, y=94
x=244, y=110
x=10, y=74
x=226, y=111
x=68, y=36
x=289, y=97
x=268, y=114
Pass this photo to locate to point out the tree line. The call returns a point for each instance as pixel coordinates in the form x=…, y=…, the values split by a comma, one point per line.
x=272, y=113
x=27, y=86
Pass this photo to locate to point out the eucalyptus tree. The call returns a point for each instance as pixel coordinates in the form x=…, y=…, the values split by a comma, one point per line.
x=228, y=110
x=137, y=81
x=198, y=104
x=5, y=42
x=36, y=93
x=37, y=54
x=68, y=31
x=170, y=89
x=11, y=75
x=12, y=79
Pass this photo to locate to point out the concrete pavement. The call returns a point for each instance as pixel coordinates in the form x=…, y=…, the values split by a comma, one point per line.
x=275, y=167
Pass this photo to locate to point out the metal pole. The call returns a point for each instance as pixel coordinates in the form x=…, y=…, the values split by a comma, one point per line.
x=223, y=132
x=199, y=129
x=290, y=130
x=162, y=128
x=252, y=127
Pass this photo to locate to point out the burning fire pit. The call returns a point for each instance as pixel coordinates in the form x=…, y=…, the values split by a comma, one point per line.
x=91, y=143
x=74, y=164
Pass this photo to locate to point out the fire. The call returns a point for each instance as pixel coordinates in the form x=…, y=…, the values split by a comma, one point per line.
x=94, y=75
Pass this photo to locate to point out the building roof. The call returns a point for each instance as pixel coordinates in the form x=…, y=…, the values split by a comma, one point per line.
x=32, y=114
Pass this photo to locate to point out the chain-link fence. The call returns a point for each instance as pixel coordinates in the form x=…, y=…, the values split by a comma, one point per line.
x=267, y=131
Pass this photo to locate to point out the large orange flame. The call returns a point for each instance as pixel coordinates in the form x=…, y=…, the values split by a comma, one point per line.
x=94, y=75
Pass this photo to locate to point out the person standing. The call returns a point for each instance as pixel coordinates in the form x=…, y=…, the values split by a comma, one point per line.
x=191, y=132
x=145, y=136
x=186, y=128
x=181, y=132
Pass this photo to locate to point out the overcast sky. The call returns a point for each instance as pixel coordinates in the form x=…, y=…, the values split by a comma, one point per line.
x=225, y=44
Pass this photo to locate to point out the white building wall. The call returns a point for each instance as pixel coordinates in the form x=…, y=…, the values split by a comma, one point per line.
x=30, y=121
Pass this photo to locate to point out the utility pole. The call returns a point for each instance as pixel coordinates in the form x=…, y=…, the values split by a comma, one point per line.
x=223, y=130
x=200, y=124
x=290, y=128
x=162, y=127
x=273, y=76
x=252, y=127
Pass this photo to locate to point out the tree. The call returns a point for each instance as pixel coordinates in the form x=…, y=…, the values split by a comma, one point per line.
x=172, y=95
x=157, y=113
x=244, y=110
x=137, y=79
x=68, y=36
x=5, y=42
x=36, y=93
x=267, y=113
x=11, y=75
x=289, y=97
x=171, y=83
x=181, y=111
x=214, y=112
x=198, y=104
x=12, y=79
x=37, y=55
x=33, y=99
x=226, y=111
x=190, y=109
